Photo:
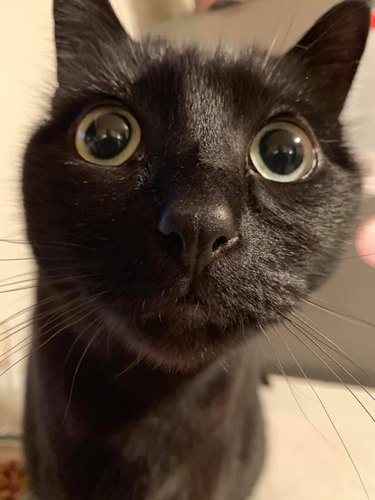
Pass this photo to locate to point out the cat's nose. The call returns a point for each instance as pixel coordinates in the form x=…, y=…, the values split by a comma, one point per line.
x=198, y=238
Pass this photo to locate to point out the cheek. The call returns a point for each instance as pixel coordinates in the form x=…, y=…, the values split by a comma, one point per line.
x=97, y=199
x=301, y=228
x=326, y=199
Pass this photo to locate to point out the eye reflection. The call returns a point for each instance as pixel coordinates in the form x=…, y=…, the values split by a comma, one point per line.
x=282, y=152
x=108, y=136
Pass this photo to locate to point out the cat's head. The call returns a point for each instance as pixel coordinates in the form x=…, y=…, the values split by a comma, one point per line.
x=199, y=195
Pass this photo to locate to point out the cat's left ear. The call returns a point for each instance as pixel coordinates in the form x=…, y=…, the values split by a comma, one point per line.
x=82, y=27
x=331, y=51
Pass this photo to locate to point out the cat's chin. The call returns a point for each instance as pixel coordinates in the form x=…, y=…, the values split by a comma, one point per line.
x=183, y=341
x=181, y=358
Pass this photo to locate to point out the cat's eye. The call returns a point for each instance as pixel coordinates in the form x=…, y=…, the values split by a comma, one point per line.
x=108, y=136
x=283, y=152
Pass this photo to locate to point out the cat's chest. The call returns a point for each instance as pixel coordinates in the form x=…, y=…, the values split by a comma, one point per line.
x=178, y=441
x=171, y=453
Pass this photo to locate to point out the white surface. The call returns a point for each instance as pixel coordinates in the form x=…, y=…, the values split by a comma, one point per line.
x=310, y=463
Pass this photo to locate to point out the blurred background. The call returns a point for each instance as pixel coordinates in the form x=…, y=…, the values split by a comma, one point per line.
x=306, y=457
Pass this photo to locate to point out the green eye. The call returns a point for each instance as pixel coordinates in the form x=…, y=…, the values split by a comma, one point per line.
x=283, y=152
x=108, y=136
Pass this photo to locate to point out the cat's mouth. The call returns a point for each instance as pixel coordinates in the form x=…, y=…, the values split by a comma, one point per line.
x=187, y=308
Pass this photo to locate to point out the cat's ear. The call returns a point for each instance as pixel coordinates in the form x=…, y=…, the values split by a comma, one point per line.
x=81, y=27
x=331, y=51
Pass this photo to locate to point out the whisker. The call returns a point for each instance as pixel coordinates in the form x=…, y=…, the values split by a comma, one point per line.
x=18, y=276
x=282, y=370
x=273, y=43
x=75, y=342
x=10, y=352
x=271, y=73
x=131, y=365
x=263, y=361
x=341, y=315
x=291, y=24
x=54, y=335
x=52, y=277
x=17, y=259
x=35, y=273
x=334, y=373
x=20, y=289
x=19, y=282
x=332, y=345
x=329, y=417
x=48, y=244
x=16, y=329
x=31, y=308
x=99, y=330
x=359, y=256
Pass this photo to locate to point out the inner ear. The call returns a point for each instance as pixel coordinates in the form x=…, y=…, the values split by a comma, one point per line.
x=331, y=50
x=81, y=27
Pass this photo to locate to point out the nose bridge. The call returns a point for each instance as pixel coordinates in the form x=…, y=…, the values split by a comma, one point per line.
x=202, y=187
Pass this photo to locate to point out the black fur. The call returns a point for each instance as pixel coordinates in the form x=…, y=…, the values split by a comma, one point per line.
x=182, y=420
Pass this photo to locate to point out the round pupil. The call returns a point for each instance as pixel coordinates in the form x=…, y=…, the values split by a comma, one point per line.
x=281, y=151
x=107, y=136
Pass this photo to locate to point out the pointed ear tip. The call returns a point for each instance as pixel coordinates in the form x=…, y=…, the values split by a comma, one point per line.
x=332, y=49
x=360, y=8
x=358, y=15
x=352, y=14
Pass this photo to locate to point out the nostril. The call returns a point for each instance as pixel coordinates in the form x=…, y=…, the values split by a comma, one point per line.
x=219, y=242
x=175, y=241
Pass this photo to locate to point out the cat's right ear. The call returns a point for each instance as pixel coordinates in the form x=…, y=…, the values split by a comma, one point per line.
x=82, y=27
x=331, y=50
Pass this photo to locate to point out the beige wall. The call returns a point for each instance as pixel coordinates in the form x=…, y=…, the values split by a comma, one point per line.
x=25, y=74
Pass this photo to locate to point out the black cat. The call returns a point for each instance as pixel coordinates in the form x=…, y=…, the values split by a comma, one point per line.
x=176, y=203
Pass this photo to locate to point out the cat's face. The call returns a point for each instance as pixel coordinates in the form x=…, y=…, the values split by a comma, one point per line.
x=154, y=185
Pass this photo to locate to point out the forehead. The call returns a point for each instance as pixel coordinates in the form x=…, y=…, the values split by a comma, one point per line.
x=214, y=95
x=199, y=75
x=191, y=83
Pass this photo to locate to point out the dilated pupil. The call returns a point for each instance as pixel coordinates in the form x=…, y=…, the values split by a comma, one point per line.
x=107, y=136
x=281, y=151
